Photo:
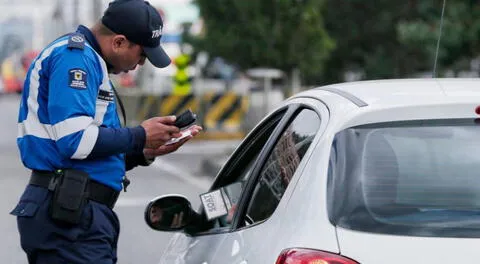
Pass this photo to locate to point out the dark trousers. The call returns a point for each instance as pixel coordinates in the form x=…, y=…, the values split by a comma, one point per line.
x=44, y=241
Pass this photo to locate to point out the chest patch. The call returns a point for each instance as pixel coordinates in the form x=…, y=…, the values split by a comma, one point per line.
x=77, y=79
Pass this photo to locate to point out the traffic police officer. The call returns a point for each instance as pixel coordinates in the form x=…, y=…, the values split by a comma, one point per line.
x=71, y=138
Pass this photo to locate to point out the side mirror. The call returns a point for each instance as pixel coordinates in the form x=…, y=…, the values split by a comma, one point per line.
x=169, y=213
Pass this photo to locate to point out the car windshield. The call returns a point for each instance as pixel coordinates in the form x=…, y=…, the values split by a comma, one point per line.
x=419, y=178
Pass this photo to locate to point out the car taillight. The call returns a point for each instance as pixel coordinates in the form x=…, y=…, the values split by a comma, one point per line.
x=310, y=256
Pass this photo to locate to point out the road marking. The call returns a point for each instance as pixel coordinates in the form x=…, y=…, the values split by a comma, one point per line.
x=186, y=176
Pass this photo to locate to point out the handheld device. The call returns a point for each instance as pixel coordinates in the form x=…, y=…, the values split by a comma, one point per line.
x=185, y=119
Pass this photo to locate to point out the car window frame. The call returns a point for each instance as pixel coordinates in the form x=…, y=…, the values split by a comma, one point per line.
x=289, y=111
x=294, y=110
x=224, y=176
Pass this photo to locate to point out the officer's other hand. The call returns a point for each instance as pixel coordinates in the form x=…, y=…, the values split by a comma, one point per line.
x=159, y=130
x=231, y=213
x=165, y=149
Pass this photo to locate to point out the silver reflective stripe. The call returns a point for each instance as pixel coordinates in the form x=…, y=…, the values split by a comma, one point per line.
x=87, y=142
x=90, y=134
x=71, y=125
x=31, y=125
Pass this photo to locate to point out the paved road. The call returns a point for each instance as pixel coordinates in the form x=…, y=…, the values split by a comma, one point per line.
x=138, y=243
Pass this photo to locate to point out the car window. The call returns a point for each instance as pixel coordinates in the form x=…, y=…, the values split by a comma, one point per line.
x=233, y=178
x=281, y=165
x=233, y=193
x=417, y=178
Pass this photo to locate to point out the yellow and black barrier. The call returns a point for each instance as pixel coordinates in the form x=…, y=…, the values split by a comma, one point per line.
x=224, y=113
x=221, y=114
x=163, y=105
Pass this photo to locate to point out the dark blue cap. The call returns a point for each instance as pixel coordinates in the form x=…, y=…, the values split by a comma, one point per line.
x=140, y=23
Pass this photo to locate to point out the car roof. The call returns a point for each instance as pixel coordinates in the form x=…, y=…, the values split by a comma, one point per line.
x=404, y=91
x=364, y=102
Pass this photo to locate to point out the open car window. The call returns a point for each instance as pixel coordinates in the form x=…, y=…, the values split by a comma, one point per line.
x=281, y=165
x=237, y=171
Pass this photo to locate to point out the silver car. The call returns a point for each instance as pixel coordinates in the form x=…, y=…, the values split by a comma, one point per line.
x=368, y=172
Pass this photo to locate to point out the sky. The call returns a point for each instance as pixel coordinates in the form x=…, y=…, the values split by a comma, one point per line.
x=44, y=28
x=177, y=11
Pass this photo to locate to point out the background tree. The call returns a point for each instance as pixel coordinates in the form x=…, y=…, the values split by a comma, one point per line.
x=395, y=38
x=460, y=35
x=283, y=34
x=366, y=37
x=327, y=38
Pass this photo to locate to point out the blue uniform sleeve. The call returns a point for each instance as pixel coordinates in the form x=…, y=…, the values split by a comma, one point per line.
x=73, y=87
x=108, y=141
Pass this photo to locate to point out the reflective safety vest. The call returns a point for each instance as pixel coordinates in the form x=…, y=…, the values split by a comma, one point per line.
x=67, y=96
x=182, y=84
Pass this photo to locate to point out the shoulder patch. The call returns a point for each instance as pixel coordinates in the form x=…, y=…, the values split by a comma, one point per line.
x=76, y=41
x=105, y=95
x=77, y=78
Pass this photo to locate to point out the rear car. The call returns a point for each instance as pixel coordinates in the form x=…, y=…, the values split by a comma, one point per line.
x=366, y=172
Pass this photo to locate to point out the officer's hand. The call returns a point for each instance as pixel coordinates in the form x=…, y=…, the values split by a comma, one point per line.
x=159, y=130
x=231, y=213
x=165, y=149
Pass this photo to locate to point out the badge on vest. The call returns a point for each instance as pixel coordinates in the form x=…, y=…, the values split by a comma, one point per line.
x=78, y=79
x=76, y=41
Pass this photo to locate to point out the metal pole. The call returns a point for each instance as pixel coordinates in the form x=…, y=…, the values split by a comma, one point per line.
x=97, y=10
x=76, y=20
x=267, y=83
x=296, y=83
x=434, y=75
x=38, y=29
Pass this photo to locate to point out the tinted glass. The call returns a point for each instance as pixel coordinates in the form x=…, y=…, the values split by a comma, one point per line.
x=239, y=167
x=233, y=192
x=282, y=164
x=419, y=178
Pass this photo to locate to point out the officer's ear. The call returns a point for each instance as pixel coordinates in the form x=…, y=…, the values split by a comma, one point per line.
x=120, y=42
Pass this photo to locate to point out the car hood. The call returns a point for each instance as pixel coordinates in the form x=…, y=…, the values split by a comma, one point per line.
x=367, y=248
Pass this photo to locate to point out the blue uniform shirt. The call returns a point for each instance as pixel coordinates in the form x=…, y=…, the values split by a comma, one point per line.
x=68, y=116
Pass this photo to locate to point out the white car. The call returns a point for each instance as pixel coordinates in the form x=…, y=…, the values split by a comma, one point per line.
x=369, y=172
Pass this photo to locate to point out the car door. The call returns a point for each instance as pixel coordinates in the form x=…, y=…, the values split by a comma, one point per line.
x=220, y=243
x=257, y=225
x=199, y=246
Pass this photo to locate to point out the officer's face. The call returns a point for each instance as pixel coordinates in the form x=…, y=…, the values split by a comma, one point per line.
x=125, y=55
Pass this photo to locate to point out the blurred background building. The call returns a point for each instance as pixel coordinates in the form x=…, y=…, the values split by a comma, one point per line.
x=26, y=26
x=234, y=61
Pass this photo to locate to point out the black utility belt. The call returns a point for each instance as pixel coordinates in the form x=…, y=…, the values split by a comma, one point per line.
x=94, y=191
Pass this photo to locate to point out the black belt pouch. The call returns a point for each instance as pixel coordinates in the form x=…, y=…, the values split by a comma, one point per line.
x=69, y=196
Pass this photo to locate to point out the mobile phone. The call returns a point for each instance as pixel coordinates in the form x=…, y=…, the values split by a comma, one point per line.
x=185, y=119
